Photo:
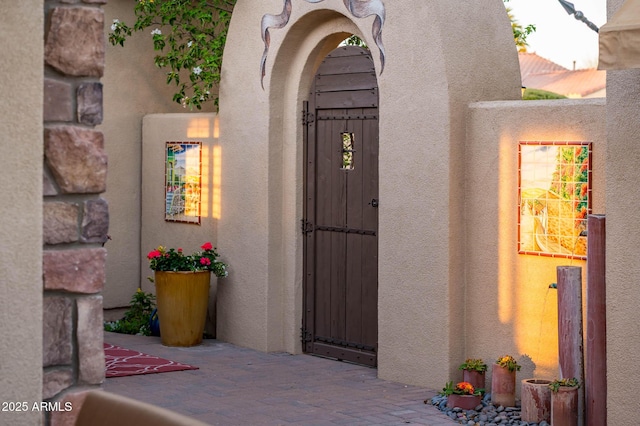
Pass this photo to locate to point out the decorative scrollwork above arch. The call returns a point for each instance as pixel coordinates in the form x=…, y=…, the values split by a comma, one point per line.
x=357, y=8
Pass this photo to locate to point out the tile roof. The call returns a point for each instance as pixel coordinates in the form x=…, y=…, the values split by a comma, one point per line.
x=541, y=73
x=530, y=63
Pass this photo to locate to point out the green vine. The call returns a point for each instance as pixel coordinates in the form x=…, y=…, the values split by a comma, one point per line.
x=190, y=34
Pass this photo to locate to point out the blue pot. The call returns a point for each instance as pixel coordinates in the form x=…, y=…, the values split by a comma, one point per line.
x=154, y=323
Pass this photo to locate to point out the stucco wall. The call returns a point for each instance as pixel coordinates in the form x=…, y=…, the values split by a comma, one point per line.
x=424, y=91
x=133, y=87
x=509, y=306
x=443, y=240
x=424, y=97
x=22, y=52
x=623, y=240
x=156, y=131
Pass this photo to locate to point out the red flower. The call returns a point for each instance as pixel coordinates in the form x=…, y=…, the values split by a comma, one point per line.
x=205, y=261
x=153, y=254
x=179, y=250
x=466, y=388
x=206, y=246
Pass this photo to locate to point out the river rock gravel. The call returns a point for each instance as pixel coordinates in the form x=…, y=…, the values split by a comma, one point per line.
x=485, y=414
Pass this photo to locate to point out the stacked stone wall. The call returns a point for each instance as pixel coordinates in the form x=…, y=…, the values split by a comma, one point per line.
x=75, y=217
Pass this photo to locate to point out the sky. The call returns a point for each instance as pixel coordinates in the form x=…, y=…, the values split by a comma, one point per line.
x=560, y=37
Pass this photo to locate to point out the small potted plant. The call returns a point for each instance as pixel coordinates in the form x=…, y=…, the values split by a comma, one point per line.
x=462, y=395
x=564, y=402
x=182, y=291
x=503, y=381
x=473, y=371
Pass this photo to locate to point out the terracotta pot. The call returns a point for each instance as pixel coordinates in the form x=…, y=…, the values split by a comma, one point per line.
x=476, y=378
x=535, y=398
x=564, y=406
x=466, y=402
x=182, y=299
x=503, y=386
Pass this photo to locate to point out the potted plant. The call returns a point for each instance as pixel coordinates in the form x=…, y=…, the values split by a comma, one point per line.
x=473, y=371
x=535, y=398
x=462, y=395
x=182, y=291
x=503, y=381
x=564, y=402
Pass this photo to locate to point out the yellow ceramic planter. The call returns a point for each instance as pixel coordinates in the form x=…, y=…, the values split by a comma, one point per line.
x=182, y=299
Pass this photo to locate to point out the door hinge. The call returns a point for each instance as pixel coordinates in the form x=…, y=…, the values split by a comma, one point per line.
x=307, y=227
x=307, y=118
x=305, y=335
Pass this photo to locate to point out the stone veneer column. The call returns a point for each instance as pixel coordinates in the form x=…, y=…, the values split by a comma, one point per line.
x=75, y=218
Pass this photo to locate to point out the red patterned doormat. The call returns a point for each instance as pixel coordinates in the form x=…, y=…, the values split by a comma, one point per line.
x=125, y=362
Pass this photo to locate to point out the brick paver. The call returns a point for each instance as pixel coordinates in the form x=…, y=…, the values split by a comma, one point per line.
x=239, y=386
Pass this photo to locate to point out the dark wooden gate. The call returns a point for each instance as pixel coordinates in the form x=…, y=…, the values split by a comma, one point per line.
x=340, y=214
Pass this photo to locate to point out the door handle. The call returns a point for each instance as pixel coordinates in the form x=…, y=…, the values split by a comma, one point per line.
x=374, y=202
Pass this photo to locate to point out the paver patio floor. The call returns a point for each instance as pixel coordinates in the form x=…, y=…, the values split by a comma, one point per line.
x=239, y=386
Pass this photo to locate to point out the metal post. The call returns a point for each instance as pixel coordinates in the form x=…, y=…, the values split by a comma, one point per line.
x=596, y=371
x=570, y=340
x=571, y=10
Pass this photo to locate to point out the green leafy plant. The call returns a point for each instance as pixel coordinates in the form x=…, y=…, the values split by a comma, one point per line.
x=162, y=259
x=520, y=33
x=462, y=388
x=508, y=362
x=447, y=389
x=535, y=94
x=190, y=34
x=472, y=364
x=354, y=40
x=136, y=319
x=558, y=383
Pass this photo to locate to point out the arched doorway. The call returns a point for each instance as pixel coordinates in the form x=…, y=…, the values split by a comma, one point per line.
x=341, y=215
x=424, y=96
